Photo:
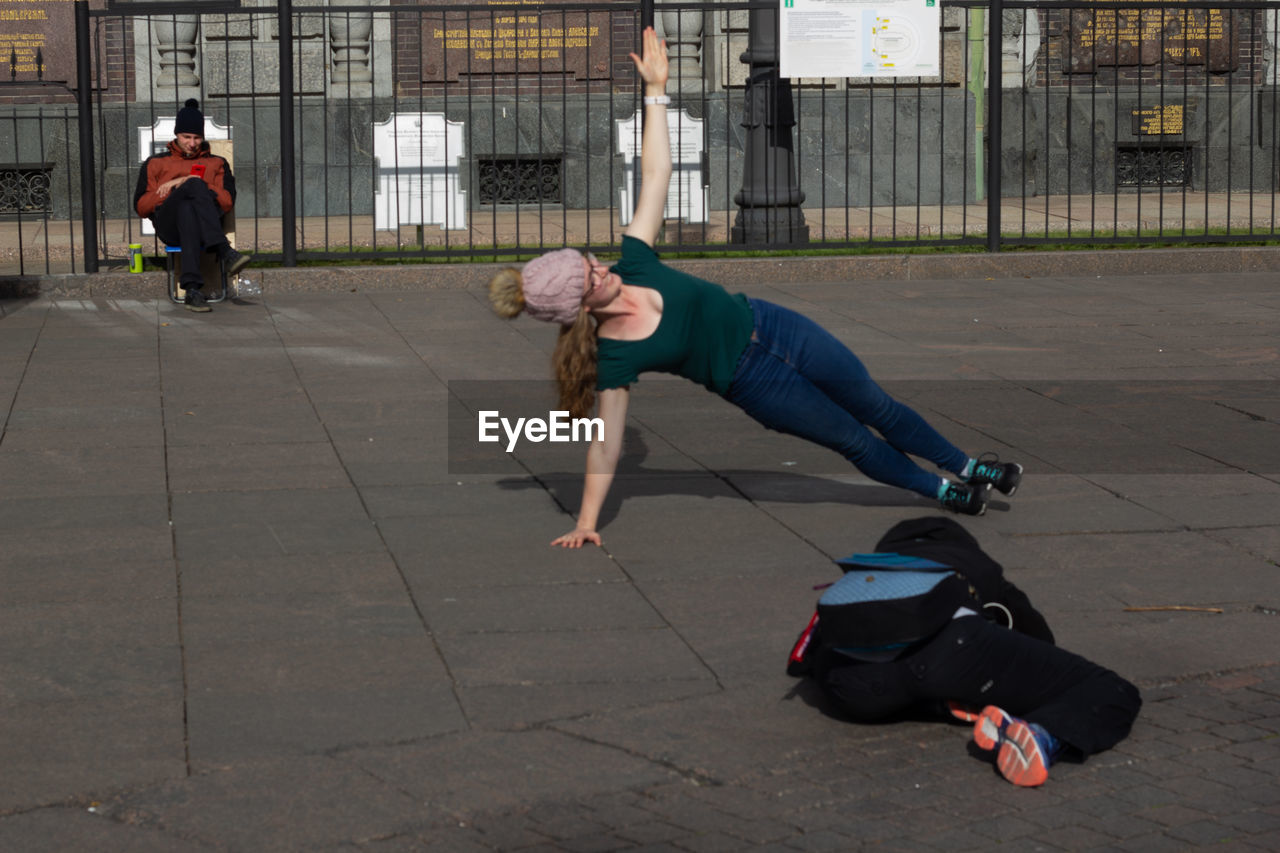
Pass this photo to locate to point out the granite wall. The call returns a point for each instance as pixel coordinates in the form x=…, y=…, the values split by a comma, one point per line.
x=856, y=148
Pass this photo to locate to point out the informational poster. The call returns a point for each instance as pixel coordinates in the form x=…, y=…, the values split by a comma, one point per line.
x=464, y=45
x=859, y=38
x=418, y=156
x=687, y=198
x=38, y=40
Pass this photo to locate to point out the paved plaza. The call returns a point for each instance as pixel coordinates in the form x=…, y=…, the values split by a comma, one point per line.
x=263, y=591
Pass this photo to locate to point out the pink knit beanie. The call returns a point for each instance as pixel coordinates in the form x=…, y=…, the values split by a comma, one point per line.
x=553, y=286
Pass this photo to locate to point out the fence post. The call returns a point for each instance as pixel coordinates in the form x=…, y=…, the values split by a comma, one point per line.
x=84, y=110
x=995, y=135
x=646, y=13
x=288, y=213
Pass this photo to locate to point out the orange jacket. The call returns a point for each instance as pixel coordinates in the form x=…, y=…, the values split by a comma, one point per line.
x=164, y=167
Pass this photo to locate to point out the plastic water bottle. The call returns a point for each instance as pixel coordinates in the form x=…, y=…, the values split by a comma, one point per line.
x=246, y=287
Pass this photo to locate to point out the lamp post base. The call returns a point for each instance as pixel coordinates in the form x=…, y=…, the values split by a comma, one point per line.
x=769, y=225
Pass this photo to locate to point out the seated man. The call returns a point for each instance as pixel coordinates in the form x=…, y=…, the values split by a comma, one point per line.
x=908, y=629
x=185, y=192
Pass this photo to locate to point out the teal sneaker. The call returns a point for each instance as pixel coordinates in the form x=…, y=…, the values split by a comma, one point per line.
x=965, y=498
x=1005, y=476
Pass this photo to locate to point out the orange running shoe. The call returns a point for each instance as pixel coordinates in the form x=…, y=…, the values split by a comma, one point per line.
x=1025, y=749
x=988, y=729
x=1022, y=759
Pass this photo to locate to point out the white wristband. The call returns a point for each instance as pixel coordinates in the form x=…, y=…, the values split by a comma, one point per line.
x=656, y=99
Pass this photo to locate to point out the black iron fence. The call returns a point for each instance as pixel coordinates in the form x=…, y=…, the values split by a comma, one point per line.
x=395, y=132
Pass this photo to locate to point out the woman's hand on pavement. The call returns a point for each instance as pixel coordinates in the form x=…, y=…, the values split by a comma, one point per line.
x=576, y=537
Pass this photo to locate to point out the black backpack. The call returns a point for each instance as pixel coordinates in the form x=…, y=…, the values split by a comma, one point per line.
x=944, y=541
x=893, y=601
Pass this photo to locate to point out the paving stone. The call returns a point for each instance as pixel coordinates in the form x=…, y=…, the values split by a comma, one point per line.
x=1204, y=833
x=66, y=652
x=957, y=839
x=76, y=827
x=1124, y=826
x=507, y=833
x=567, y=825
x=1156, y=843
x=709, y=842
x=651, y=833
x=1253, y=821
x=89, y=747
x=1265, y=841
x=600, y=843
x=225, y=805
x=204, y=425
x=82, y=471
x=1174, y=815
x=238, y=467
x=332, y=647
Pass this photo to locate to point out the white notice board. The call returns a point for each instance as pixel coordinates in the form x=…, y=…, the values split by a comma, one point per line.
x=859, y=38
x=417, y=157
x=686, y=196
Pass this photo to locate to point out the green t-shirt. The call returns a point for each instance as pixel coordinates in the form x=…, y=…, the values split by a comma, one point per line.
x=701, y=335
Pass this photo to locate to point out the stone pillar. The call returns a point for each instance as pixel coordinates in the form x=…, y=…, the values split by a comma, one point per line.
x=1270, y=50
x=683, y=31
x=349, y=34
x=176, y=42
x=1019, y=46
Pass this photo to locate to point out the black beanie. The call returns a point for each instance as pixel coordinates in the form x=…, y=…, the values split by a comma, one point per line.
x=190, y=119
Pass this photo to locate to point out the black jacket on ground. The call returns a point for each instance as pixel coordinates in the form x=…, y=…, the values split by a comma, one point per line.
x=974, y=661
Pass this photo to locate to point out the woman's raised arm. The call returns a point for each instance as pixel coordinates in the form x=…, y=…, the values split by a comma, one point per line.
x=655, y=144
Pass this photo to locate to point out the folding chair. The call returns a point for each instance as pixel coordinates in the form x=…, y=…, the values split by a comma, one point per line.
x=210, y=267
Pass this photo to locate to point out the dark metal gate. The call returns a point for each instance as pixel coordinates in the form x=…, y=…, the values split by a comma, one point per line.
x=1080, y=122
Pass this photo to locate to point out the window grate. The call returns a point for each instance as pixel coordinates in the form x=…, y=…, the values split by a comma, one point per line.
x=24, y=189
x=1152, y=167
x=517, y=180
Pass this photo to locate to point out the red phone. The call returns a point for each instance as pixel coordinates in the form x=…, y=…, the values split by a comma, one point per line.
x=198, y=170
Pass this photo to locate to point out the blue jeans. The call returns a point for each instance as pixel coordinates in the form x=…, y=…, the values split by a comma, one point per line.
x=795, y=377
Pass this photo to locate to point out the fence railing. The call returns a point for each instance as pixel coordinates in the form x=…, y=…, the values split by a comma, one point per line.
x=393, y=132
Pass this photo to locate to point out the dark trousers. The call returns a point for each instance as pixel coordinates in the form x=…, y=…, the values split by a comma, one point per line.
x=190, y=218
x=976, y=662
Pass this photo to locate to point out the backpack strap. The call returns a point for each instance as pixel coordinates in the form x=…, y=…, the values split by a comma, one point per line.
x=891, y=562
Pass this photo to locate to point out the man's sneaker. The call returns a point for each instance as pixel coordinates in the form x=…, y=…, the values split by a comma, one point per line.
x=990, y=726
x=962, y=712
x=196, y=301
x=1005, y=476
x=966, y=498
x=233, y=261
x=1026, y=750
